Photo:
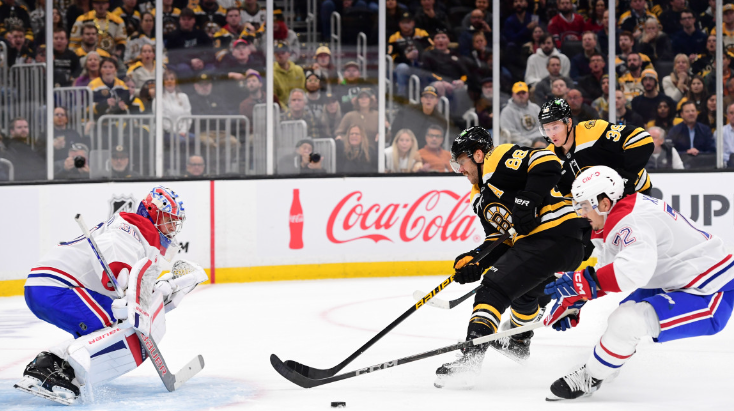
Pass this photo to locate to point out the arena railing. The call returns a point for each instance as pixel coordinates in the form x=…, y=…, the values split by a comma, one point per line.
x=311, y=21
x=444, y=108
x=222, y=140
x=25, y=94
x=78, y=102
x=471, y=118
x=414, y=89
x=258, y=166
x=11, y=168
x=327, y=148
x=362, y=54
x=390, y=91
x=136, y=133
x=335, y=42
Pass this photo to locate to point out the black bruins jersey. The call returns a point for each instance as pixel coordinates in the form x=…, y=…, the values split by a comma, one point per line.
x=509, y=169
x=600, y=143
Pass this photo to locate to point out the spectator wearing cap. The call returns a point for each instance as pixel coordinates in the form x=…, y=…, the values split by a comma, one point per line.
x=204, y=101
x=646, y=104
x=363, y=114
x=189, y=48
x=120, y=164
x=418, y=117
x=625, y=116
x=442, y=64
x=315, y=94
x=601, y=104
x=690, y=136
x=195, y=166
x=287, y=75
x=466, y=36
x=431, y=18
x=348, y=88
x=689, y=40
x=406, y=46
x=543, y=88
x=590, y=84
x=520, y=25
x=395, y=12
x=235, y=64
x=324, y=65
x=520, y=116
x=297, y=111
x=433, y=155
x=538, y=62
x=29, y=163
x=254, y=86
x=76, y=165
x=727, y=27
x=566, y=25
x=303, y=161
x=331, y=117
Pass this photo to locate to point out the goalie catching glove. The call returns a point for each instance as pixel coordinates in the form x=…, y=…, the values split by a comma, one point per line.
x=183, y=278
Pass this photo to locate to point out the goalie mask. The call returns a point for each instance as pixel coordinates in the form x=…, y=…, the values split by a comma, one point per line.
x=162, y=207
x=590, y=184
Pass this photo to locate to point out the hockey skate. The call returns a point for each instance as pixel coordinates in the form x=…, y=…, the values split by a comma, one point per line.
x=575, y=385
x=463, y=372
x=514, y=347
x=49, y=377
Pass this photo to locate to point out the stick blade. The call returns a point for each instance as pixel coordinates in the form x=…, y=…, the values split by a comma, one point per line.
x=291, y=375
x=433, y=302
x=310, y=372
x=188, y=371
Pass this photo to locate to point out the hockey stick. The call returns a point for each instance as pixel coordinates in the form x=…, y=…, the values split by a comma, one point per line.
x=318, y=373
x=171, y=381
x=443, y=304
x=306, y=382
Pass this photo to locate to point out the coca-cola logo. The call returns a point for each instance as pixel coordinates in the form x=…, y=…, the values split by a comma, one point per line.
x=298, y=218
x=424, y=219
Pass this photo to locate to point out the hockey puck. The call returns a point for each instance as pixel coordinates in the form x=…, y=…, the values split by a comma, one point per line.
x=338, y=404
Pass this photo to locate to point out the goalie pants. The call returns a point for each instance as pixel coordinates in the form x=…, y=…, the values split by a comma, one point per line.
x=76, y=310
x=660, y=315
x=518, y=279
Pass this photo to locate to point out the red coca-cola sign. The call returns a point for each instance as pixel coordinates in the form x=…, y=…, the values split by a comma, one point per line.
x=437, y=214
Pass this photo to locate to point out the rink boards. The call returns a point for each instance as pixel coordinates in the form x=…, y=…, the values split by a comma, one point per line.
x=247, y=230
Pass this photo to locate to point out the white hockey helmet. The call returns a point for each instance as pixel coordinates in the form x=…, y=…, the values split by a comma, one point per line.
x=592, y=182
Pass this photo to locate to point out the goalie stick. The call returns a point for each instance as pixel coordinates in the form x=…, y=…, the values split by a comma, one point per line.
x=317, y=373
x=171, y=381
x=306, y=382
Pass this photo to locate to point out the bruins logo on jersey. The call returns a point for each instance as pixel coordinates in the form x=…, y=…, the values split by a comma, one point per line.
x=528, y=122
x=499, y=216
x=590, y=124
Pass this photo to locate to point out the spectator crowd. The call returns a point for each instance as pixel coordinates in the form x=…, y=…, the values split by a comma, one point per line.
x=214, y=62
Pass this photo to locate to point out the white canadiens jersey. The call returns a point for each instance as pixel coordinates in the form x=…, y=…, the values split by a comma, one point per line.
x=648, y=244
x=123, y=240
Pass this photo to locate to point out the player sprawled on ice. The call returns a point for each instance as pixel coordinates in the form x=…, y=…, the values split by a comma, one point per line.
x=680, y=277
x=69, y=289
x=625, y=148
x=512, y=187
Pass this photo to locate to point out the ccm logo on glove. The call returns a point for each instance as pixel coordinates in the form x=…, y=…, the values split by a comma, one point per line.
x=578, y=277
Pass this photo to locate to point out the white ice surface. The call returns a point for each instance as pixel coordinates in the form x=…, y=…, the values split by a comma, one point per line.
x=237, y=326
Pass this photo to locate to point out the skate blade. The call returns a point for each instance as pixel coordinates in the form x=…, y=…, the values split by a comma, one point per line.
x=511, y=356
x=553, y=397
x=32, y=386
x=456, y=382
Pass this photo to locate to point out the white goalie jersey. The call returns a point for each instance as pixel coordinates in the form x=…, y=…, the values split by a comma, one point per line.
x=647, y=244
x=123, y=240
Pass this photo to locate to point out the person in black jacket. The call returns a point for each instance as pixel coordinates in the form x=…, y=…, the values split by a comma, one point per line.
x=189, y=48
x=354, y=154
x=442, y=64
x=66, y=62
x=29, y=163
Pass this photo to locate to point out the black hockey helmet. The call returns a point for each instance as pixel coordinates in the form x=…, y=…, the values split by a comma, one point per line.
x=469, y=141
x=554, y=110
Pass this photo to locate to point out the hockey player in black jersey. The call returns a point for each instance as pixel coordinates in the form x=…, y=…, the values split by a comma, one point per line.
x=626, y=149
x=513, y=187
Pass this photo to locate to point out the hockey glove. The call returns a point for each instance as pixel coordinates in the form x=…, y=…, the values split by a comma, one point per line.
x=574, y=286
x=524, y=213
x=469, y=273
x=559, y=309
x=630, y=180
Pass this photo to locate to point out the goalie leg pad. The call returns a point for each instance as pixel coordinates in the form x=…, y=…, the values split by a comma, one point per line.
x=145, y=302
